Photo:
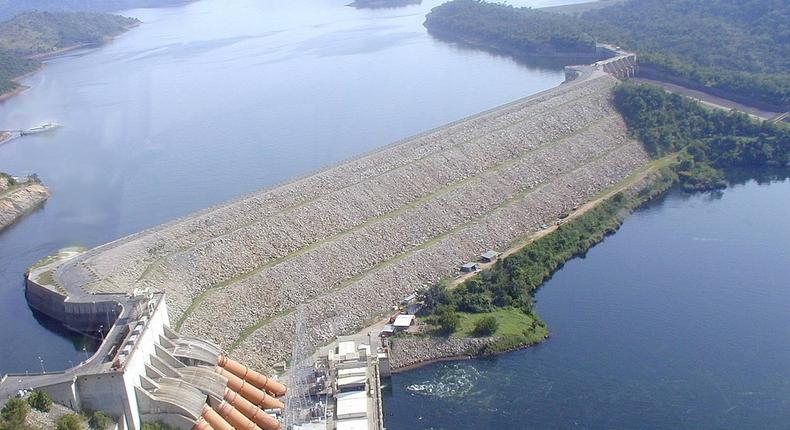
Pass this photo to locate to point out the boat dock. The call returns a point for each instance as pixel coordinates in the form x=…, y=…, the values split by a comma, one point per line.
x=7, y=135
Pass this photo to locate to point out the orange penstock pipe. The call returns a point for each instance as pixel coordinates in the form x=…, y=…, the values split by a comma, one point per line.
x=258, y=416
x=249, y=392
x=258, y=380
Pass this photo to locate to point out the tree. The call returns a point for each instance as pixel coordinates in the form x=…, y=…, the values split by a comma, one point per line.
x=157, y=425
x=99, y=421
x=486, y=326
x=434, y=296
x=40, y=401
x=70, y=422
x=448, y=319
x=14, y=412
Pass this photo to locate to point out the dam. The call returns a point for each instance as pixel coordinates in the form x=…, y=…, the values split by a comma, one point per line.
x=349, y=241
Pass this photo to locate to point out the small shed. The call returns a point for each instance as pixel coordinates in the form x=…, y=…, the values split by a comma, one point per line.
x=489, y=256
x=403, y=322
x=408, y=299
x=469, y=267
x=388, y=330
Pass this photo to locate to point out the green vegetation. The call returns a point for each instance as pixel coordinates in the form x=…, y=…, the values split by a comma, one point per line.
x=99, y=421
x=11, y=8
x=447, y=319
x=70, y=422
x=37, y=33
x=499, y=301
x=13, y=66
x=6, y=181
x=735, y=48
x=485, y=326
x=708, y=141
x=732, y=48
x=13, y=415
x=158, y=425
x=46, y=278
x=503, y=27
x=40, y=401
x=501, y=322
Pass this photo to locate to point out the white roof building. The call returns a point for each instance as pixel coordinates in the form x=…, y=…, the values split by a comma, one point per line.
x=353, y=424
x=353, y=404
x=403, y=321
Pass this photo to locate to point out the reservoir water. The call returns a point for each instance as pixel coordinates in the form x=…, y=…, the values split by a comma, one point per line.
x=212, y=100
x=679, y=320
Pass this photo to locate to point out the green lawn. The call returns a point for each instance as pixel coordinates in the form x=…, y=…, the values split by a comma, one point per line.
x=512, y=322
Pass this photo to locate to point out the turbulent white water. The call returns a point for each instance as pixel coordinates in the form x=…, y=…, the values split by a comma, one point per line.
x=452, y=380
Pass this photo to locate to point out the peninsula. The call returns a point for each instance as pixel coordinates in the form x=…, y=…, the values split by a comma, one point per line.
x=19, y=197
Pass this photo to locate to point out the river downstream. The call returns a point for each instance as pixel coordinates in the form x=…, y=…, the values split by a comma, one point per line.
x=679, y=320
x=209, y=101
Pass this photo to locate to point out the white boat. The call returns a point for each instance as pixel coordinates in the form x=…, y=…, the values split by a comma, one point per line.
x=40, y=129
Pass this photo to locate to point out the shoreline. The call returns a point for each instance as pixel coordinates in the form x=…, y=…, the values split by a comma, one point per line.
x=419, y=364
x=438, y=349
x=466, y=356
x=42, y=57
x=16, y=202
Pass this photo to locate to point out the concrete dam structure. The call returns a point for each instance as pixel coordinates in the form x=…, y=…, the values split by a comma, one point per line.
x=146, y=372
x=347, y=242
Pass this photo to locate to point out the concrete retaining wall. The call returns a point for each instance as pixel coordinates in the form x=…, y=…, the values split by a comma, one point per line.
x=83, y=317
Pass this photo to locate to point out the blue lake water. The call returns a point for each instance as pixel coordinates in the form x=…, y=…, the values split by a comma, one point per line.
x=679, y=320
x=218, y=98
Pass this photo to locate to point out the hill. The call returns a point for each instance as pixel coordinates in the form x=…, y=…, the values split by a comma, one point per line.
x=738, y=49
x=506, y=28
x=36, y=33
x=12, y=66
x=11, y=8
x=732, y=48
x=40, y=33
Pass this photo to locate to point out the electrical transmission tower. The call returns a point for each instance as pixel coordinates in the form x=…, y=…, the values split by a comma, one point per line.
x=297, y=402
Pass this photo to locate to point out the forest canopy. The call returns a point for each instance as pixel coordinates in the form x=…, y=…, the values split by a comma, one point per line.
x=708, y=141
x=734, y=48
x=42, y=32
x=11, y=8
x=504, y=27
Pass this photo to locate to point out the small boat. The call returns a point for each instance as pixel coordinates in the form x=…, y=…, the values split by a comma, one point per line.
x=40, y=129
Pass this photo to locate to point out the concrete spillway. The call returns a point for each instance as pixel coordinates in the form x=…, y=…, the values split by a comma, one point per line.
x=350, y=240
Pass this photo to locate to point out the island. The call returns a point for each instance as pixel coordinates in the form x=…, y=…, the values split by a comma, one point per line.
x=382, y=4
x=31, y=37
x=19, y=197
